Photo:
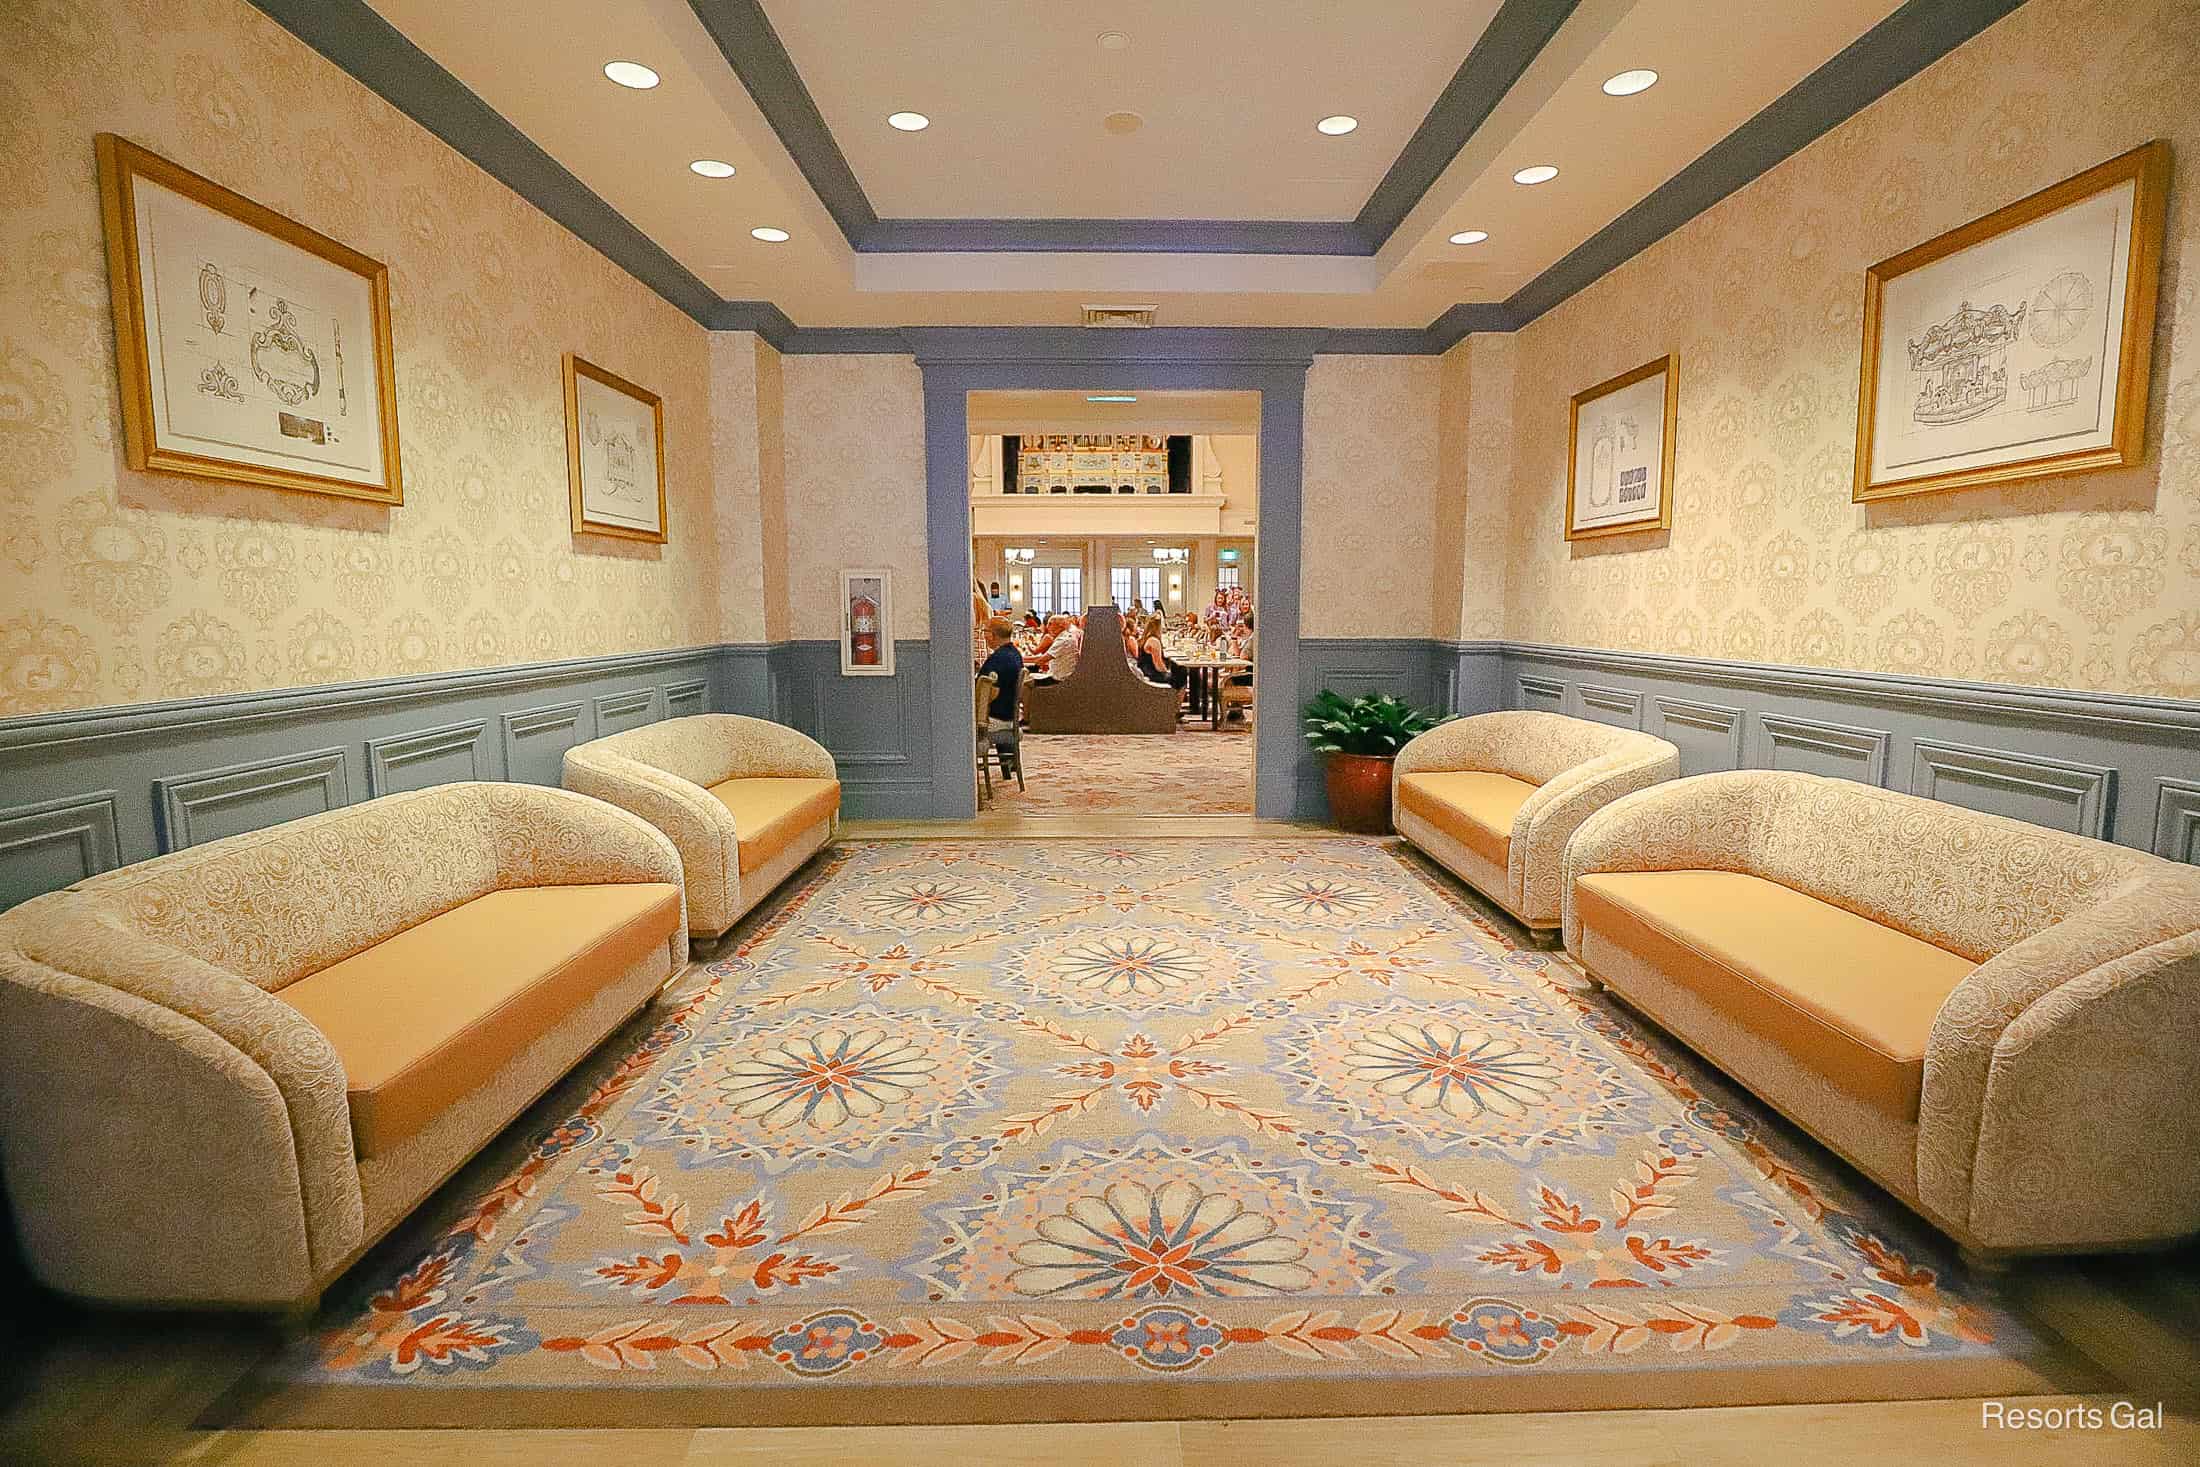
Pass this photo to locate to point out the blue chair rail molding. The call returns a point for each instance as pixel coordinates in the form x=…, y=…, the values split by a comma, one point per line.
x=84, y=792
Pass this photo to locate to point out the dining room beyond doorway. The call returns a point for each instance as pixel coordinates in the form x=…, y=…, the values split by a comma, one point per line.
x=1114, y=622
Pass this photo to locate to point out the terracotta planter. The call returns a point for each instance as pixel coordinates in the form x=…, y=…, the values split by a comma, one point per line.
x=1359, y=792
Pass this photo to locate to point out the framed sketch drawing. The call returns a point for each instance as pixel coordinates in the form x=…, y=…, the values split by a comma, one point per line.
x=614, y=454
x=1619, y=466
x=866, y=623
x=2017, y=346
x=251, y=348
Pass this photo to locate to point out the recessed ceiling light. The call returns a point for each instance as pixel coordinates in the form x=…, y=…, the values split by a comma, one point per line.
x=1111, y=397
x=1122, y=123
x=1540, y=173
x=1627, y=83
x=711, y=168
x=1337, y=126
x=1113, y=40
x=909, y=121
x=1470, y=236
x=769, y=235
x=631, y=74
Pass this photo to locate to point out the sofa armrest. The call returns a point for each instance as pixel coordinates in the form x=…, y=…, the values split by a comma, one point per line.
x=171, y=1133
x=2060, y=1076
x=1547, y=820
x=759, y=748
x=1705, y=823
x=565, y=837
x=1461, y=743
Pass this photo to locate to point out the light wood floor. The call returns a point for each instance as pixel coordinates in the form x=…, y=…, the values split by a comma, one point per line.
x=121, y=1389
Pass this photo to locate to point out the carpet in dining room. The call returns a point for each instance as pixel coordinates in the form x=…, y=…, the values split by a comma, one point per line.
x=1190, y=772
x=969, y=1131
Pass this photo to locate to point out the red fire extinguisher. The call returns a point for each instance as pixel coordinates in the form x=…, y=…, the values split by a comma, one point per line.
x=863, y=623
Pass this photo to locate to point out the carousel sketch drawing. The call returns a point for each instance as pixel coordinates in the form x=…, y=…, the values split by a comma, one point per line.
x=1998, y=350
x=1961, y=367
x=614, y=437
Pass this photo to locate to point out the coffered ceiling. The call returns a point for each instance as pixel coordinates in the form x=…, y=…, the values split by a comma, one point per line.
x=1222, y=204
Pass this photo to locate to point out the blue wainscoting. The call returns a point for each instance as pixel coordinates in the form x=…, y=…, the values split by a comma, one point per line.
x=2116, y=768
x=879, y=729
x=82, y=793
x=1412, y=668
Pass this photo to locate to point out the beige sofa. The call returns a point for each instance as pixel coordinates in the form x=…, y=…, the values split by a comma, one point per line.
x=1997, y=1022
x=745, y=801
x=225, y=1072
x=1495, y=797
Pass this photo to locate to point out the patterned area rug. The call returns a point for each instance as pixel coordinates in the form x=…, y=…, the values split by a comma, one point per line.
x=1072, y=1130
x=1190, y=772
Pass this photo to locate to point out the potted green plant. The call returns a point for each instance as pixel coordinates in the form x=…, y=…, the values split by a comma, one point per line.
x=1359, y=737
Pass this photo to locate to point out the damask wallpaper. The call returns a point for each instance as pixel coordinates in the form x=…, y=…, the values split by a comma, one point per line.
x=749, y=467
x=124, y=587
x=1368, y=513
x=2087, y=582
x=853, y=427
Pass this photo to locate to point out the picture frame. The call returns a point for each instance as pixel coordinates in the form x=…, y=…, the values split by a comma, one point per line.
x=866, y=623
x=614, y=454
x=249, y=347
x=1619, y=454
x=2017, y=346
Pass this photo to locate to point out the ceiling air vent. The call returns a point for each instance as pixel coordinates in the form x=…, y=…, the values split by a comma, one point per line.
x=1119, y=316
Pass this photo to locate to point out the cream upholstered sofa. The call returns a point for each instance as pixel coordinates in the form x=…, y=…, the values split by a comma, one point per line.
x=1495, y=797
x=745, y=800
x=227, y=1071
x=1998, y=1022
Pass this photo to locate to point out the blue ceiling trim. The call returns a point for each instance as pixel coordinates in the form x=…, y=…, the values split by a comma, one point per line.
x=350, y=34
x=753, y=49
x=357, y=39
x=1890, y=53
x=1515, y=36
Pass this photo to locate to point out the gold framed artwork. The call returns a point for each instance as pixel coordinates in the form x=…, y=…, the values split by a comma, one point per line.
x=614, y=454
x=2018, y=345
x=251, y=348
x=1619, y=461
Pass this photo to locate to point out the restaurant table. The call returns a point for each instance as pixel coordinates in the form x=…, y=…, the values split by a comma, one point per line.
x=1204, y=678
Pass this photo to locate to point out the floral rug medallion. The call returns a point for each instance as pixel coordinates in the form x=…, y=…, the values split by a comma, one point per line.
x=1069, y=1129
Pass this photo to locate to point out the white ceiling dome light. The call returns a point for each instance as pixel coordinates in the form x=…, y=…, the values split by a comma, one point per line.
x=769, y=234
x=711, y=168
x=1336, y=126
x=631, y=74
x=1627, y=83
x=1539, y=173
x=908, y=121
x=1470, y=236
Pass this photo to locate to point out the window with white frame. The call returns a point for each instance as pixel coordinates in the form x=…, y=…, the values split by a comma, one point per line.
x=1073, y=589
x=1119, y=585
x=1042, y=590
x=1149, y=584
x=1226, y=577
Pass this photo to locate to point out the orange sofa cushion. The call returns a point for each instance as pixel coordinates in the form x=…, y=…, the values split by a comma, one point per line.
x=424, y=1017
x=1473, y=807
x=769, y=813
x=1841, y=995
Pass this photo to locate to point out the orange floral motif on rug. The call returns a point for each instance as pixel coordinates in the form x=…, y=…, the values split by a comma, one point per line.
x=1068, y=1129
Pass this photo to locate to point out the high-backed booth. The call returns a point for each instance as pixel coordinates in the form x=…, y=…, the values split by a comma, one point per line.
x=1104, y=693
x=744, y=800
x=1999, y=1023
x=224, y=1073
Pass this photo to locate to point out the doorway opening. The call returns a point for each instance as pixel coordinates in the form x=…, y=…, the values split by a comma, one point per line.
x=1114, y=545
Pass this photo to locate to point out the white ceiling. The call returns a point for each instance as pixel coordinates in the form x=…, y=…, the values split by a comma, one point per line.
x=1229, y=91
x=538, y=62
